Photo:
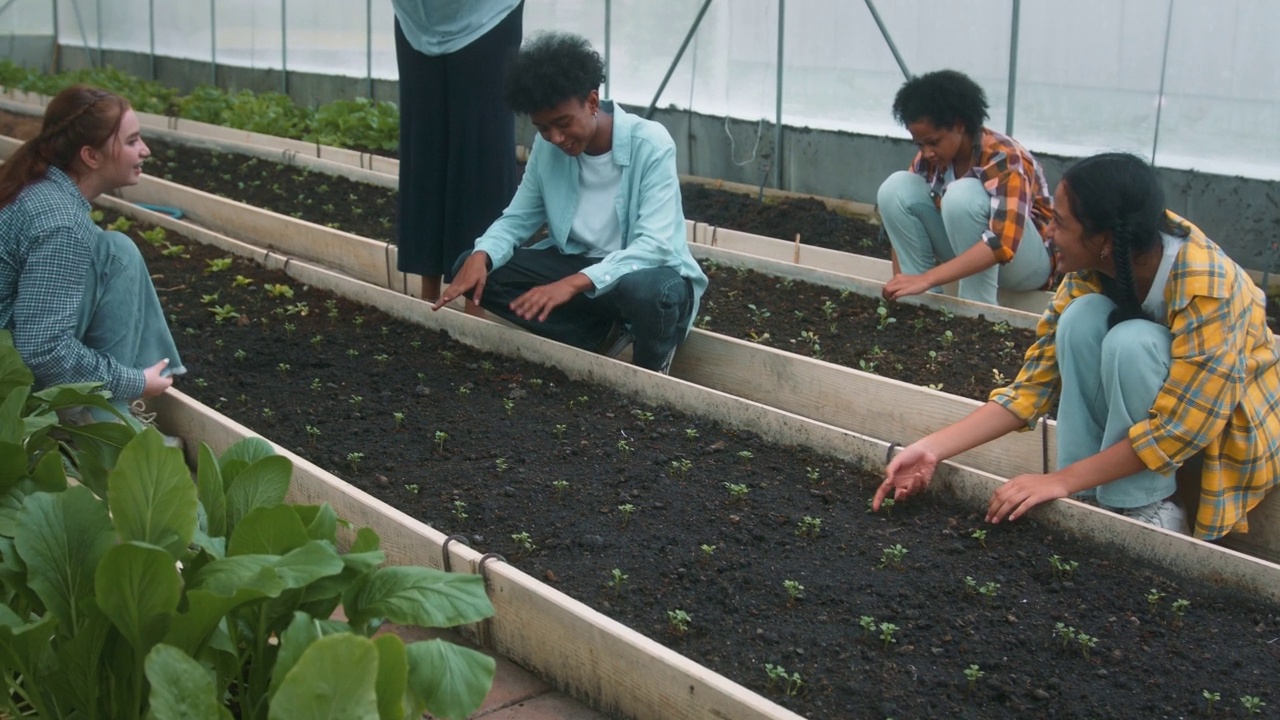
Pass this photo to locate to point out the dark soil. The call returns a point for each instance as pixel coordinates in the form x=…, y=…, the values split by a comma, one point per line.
x=844, y=328
x=515, y=430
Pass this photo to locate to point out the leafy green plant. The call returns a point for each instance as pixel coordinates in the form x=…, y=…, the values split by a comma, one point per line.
x=737, y=491
x=707, y=551
x=794, y=589
x=1179, y=609
x=893, y=555
x=679, y=621
x=1153, y=597
x=884, y=319
x=137, y=593
x=313, y=433
x=973, y=674
x=1252, y=704
x=217, y=264
x=524, y=543
x=354, y=458
x=617, y=579
x=868, y=625
x=887, y=629
x=222, y=313
x=627, y=510
x=813, y=474
x=809, y=526
x=560, y=486
x=460, y=510
x=980, y=535
x=1064, y=569
x=1209, y=699
x=154, y=237
x=441, y=437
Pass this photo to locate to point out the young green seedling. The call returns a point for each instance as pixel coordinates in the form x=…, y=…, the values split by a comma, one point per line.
x=979, y=535
x=381, y=359
x=737, y=491
x=559, y=431
x=509, y=405
x=354, y=459
x=501, y=464
x=524, y=543
x=316, y=341
x=627, y=510
x=441, y=438
x=973, y=673
x=1087, y=643
x=989, y=589
x=777, y=674
x=312, y=433
x=679, y=621
x=893, y=555
x=809, y=526
x=745, y=456
x=1209, y=699
x=624, y=447
x=794, y=589
x=356, y=401
x=1064, y=569
x=1065, y=632
x=460, y=509
x=707, y=551
x=813, y=474
x=399, y=419
x=887, y=630
x=1153, y=599
x=1179, y=608
x=283, y=369
x=868, y=624
x=681, y=467
x=269, y=415
x=690, y=433
x=1252, y=704
x=560, y=486
x=617, y=579
x=970, y=585
x=316, y=385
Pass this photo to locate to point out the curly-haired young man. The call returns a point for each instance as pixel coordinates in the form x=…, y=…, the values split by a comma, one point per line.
x=973, y=206
x=604, y=182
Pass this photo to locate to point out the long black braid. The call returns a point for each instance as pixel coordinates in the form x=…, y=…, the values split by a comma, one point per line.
x=1128, y=304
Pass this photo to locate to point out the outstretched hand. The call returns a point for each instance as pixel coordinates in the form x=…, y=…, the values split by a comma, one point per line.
x=906, y=475
x=904, y=285
x=471, y=278
x=1016, y=497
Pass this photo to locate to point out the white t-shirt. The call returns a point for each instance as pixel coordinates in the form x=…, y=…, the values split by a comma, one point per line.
x=1154, y=304
x=596, y=222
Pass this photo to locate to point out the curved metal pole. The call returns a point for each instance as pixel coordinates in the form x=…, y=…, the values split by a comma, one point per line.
x=1164, y=67
x=679, y=54
x=84, y=39
x=1015, y=24
x=888, y=40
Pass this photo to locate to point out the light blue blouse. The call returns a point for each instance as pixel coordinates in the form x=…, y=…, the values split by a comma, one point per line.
x=439, y=27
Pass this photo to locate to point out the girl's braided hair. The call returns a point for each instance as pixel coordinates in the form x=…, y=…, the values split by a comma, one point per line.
x=77, y=117
x=1120, y=193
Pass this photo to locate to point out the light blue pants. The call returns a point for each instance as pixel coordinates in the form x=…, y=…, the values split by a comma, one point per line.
x=923, y=237
x=120, y=314
x=1110, y=380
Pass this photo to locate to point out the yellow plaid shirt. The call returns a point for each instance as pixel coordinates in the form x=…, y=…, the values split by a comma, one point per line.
x=1222, y=395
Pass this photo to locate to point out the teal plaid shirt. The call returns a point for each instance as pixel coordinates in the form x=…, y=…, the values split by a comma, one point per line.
x=45, y=255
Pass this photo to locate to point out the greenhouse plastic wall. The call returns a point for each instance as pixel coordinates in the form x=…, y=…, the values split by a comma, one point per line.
x=1088, y=77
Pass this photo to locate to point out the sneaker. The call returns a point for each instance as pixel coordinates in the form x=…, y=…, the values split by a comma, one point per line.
x=1163, y=514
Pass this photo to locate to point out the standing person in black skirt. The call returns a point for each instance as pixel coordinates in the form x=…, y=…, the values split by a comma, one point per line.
x=457, y=136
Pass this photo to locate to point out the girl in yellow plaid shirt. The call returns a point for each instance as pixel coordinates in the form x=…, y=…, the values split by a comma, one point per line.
x=1157, y=348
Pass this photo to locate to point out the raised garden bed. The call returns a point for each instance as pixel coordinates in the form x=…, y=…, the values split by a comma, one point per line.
x=739, y=615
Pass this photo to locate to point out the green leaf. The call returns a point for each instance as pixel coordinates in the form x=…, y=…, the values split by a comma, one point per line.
x=11, y=430
x=49, y=474
x=333, y=680
x=265, y=483
x=250, y=450
x=191, y=630
x=61, y=539
x=151, y=496
x=268, y=531
x=309, y=563
x=451, y=680
x=395, y=702
x=13, y=464
x=95, y=449
x=212, y=492
x=180, y=688
x=226, y=575
x=303, y=630
x=13, y=373
x=420, y=596
x=321, y=521
x=138, y=588
x=24, y=646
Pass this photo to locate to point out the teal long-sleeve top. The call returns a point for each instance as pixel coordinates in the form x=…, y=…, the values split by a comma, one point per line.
x=648, y=205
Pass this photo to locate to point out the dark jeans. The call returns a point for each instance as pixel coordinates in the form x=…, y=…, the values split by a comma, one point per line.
x=655, y=304
x=457, y=146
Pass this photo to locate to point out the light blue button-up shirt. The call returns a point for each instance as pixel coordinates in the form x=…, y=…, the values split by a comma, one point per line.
x=439, y=27
x=648, y=206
